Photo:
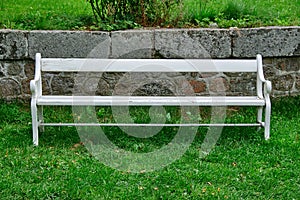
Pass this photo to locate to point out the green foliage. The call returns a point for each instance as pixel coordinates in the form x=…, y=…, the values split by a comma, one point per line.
x=117, y=25
x=108, y=10
x=11, y=113
x=237, y=13
x=127, y=14
x=122, y=14
x=45, y=14
x=236, y=10
x=199, y=11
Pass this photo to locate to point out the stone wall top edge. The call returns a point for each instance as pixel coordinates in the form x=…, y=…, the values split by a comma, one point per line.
x=154, y=29
x=267, y=28
x=49, y=31
x=68, y=31
x=13, y=30
x=134, y=31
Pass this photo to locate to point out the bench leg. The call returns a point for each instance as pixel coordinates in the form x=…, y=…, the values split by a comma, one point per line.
x=40, y=117
x=259, y=116
x=34, y=115
x=267, y=120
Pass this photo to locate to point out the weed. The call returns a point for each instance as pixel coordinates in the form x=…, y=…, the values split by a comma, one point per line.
x=236, y=10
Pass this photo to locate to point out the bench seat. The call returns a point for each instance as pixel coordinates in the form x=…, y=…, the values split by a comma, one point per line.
x=151, y=101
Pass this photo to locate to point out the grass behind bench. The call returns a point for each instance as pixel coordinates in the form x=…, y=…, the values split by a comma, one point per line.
x=45, y=14
x=78, y=15
x=242, y=165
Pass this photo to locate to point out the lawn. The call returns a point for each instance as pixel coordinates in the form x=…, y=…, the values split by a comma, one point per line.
x=78, y=15
x=45, y=14
x=241, y=166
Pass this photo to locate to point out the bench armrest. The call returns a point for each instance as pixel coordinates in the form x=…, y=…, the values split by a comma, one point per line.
x=34, y=87
x=260, y=72
x=264, y=87
x=267, y=87
x=35, y=84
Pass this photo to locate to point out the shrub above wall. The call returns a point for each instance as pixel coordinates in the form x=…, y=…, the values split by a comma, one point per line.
x=279, y=46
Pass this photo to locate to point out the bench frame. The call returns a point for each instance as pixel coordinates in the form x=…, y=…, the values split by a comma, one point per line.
x=38, y=100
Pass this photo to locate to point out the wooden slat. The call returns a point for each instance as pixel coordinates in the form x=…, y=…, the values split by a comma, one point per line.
x=144, y=125
x=151, y=100
x=148, y=65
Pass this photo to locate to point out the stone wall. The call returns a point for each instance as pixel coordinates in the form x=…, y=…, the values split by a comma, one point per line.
x=279, y=46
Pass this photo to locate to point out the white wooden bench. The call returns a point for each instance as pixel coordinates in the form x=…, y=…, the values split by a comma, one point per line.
x=261, y=100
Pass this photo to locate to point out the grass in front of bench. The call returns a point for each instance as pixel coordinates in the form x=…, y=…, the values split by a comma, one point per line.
x=242, y=164
x=77, y=14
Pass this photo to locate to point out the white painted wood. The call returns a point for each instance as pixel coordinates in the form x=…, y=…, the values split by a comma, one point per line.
x=262, y=100
x=143, y=125
x=36, y=83
x=36, y=90
x=151, y=100
x=34, y=117
x=260, y=77
x=259, y=115
x=148, y=65
x=267, y=122
x=40, y=118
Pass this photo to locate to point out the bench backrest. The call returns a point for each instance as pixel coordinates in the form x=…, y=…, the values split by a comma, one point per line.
x=147, y=65
x=151, y=65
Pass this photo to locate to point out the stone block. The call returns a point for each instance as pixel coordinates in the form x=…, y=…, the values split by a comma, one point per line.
x=13, y=44
x=241, y=83
x=25, y=85
x=270, y=71
x=268, y=61
x=283, y=83
x=62, y=85
x=198, y=86
x=193, y=43
x=14, y=69
x=132, y=44
x=64, y=44
x=219, y=84
x=103, y=88
x=157, y=88
x=29, y=69
x=15, y=77
x=268, y=41
x=46, y=84
x=9, y=88
x=146, y=84
x=288, y=64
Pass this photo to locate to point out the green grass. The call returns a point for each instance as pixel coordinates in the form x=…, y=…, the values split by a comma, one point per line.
x=78, y=15
x=241, y=166
x=229, y=13
x=45, y=14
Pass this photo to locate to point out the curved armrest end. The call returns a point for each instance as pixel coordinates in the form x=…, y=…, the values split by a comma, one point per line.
x=33, y=87
x=268, y=87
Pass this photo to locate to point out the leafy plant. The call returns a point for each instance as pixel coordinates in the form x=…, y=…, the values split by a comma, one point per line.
x=200, y=11
x=144, y=12
x=236, y=10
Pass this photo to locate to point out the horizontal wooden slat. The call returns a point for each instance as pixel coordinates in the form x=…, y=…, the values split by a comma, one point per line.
x=142, y=125
x=148, y=65
x=151, y=100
